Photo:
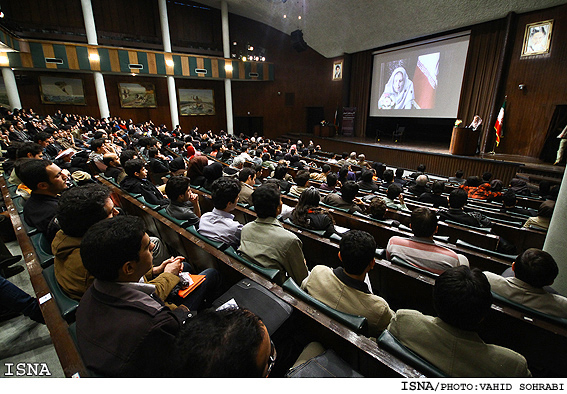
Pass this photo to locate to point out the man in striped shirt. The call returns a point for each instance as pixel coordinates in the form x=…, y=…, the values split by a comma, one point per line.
x=420, y=250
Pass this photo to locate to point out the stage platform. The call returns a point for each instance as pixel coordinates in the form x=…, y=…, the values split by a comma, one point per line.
x=438, y=160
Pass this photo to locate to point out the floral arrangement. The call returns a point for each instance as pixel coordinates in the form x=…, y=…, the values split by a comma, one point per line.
x=458, y=122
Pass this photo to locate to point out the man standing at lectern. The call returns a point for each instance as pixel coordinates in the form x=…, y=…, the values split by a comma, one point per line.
x=475, y=126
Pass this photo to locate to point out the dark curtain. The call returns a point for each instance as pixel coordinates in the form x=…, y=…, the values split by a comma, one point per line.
x=481, y=77
x=361, y=74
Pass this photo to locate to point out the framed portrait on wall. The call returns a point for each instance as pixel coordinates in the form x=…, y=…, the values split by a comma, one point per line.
x=337, y=70
x=57, y=90
x=137, y=95
x=537, y=38
x=196, y=102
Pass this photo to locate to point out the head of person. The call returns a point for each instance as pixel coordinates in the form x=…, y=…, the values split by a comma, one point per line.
x=394, y=190
x=81, y=207
x=117, y=249
x=42, y=138
x=280, y=171
x=459, y=174
x=377, y=208
x=97, y=144
x=536, y=268
x=302, y=178
x=267, y=201
x=231, y=343
x=30, y=150
x=487, y=176
x=225, y=192
x=438, y=187
x=178, y=188
x=153, y=152
x=111, y=160
x=421, y=180
x=127, y=154
x=399, y=173
x=366, y=175
x=332, y=180
x=136, y=168
x=473, y=181
x=458, y=198
x=398, y=83
x=421, y=168
x=247, y=175
x=356, y=251
x=343, y=172
x=462, y=297
x=212, y=171
x=388, y=176
x=325, y=168
x=509, y=199
x=423, y=222
x=310, y=197
x=43, y=177
x=545, y=209
x=349, y=190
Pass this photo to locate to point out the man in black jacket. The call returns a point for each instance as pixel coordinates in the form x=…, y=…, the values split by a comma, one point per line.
x=136, y=183
x=457, y=200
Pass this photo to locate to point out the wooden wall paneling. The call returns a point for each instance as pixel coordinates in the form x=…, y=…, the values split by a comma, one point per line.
x=204, y=122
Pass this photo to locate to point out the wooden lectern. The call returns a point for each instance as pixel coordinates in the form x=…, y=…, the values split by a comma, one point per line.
x=463, y=141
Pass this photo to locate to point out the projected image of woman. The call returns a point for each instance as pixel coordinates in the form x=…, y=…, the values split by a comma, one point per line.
x=398, y=93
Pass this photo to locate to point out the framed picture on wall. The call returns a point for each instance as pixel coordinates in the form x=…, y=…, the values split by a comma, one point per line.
x=537, y=38
x=337, y=70
x=137, y=95
x=57, y=90
x=196, y=102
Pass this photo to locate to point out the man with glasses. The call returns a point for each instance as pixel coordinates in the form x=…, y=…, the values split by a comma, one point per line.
x=231, y=343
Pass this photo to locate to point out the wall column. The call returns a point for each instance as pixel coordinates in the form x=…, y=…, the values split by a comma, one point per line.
x=555, y=243
x=227, y=81
x=93, y=40
x=167, y=48
x=11, y=87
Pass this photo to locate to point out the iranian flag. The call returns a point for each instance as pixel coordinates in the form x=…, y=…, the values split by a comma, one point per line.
x=498, y=126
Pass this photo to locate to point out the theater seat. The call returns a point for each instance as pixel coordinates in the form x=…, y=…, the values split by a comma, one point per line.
x=502, y=300
x=388, y=342
x=509, y=257
x=402, y=263
x=274, y=275
x=356, y=323
x=67, y=305
x=42, y=249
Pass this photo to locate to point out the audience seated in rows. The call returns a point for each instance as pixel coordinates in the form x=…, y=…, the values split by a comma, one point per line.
x=480, y=190
x=136, y=182
x=366, y=182
x=462, y=299
x=421, y=250
x=457, y=200
x=219, y=224
x=346, y=199
x=434, y=196
x=307, y=213
x=184, y=204
x=533, y=271
x=458, y=178
x=509, y=201
x=344, y=289
x=266, y=242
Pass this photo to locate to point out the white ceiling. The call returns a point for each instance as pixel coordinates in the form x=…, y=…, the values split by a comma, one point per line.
x=335, y=27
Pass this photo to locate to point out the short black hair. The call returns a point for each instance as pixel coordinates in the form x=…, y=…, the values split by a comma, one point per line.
x=462, y=297
x=357, y=251
x=81, y=207
x=325, y=168
x=438, y=187
x=223, y=191
x=423, y=222
x=41, y=136
x=509, y=198
x=217, y=344
x=421, y=168
x=246, y=173
x=97, y=143
x=280, y=171
x=487, y=176
x=266, y=199
x=459, y=174
x=349, y=190
x=110, y=243
x=331, y=179
x=33, y=172
x=458, y=198
x=302, y=177
x=29, y=147
x=153, y=152
x=473, y=181
x=176, y=186
x=394, y=190
x=366, y=175
x=399, y=172
x=127, y=154
x=132, y=166
x=536, y=268
x=388, y=176
x=377, y=208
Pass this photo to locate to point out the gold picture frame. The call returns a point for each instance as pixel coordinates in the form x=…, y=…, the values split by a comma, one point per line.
x=194, y=102
x=537, y=38
x=337, y=70
x=62, y=91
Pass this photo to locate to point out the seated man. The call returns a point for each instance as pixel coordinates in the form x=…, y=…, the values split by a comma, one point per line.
x=395, y=191
x=366, y=182
x=457, y=200
x=46, y=181
x=219, y=224
x=346, y=199
x=231, y=343
x=330, y=183
x=321, y=176
x=96, y=155
x=157, y=162
x=184, y=205
x=302, y=182
x=509, y=201
x=462, y=299
x=420, y=186
x=247, y=178
x=123, y=328
x=421, y=250
x=533, y=270
x=136, y=183
x=266, y=242
x=458, y=178
x=434, y=196
x=343, y=288
x=113, y=168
